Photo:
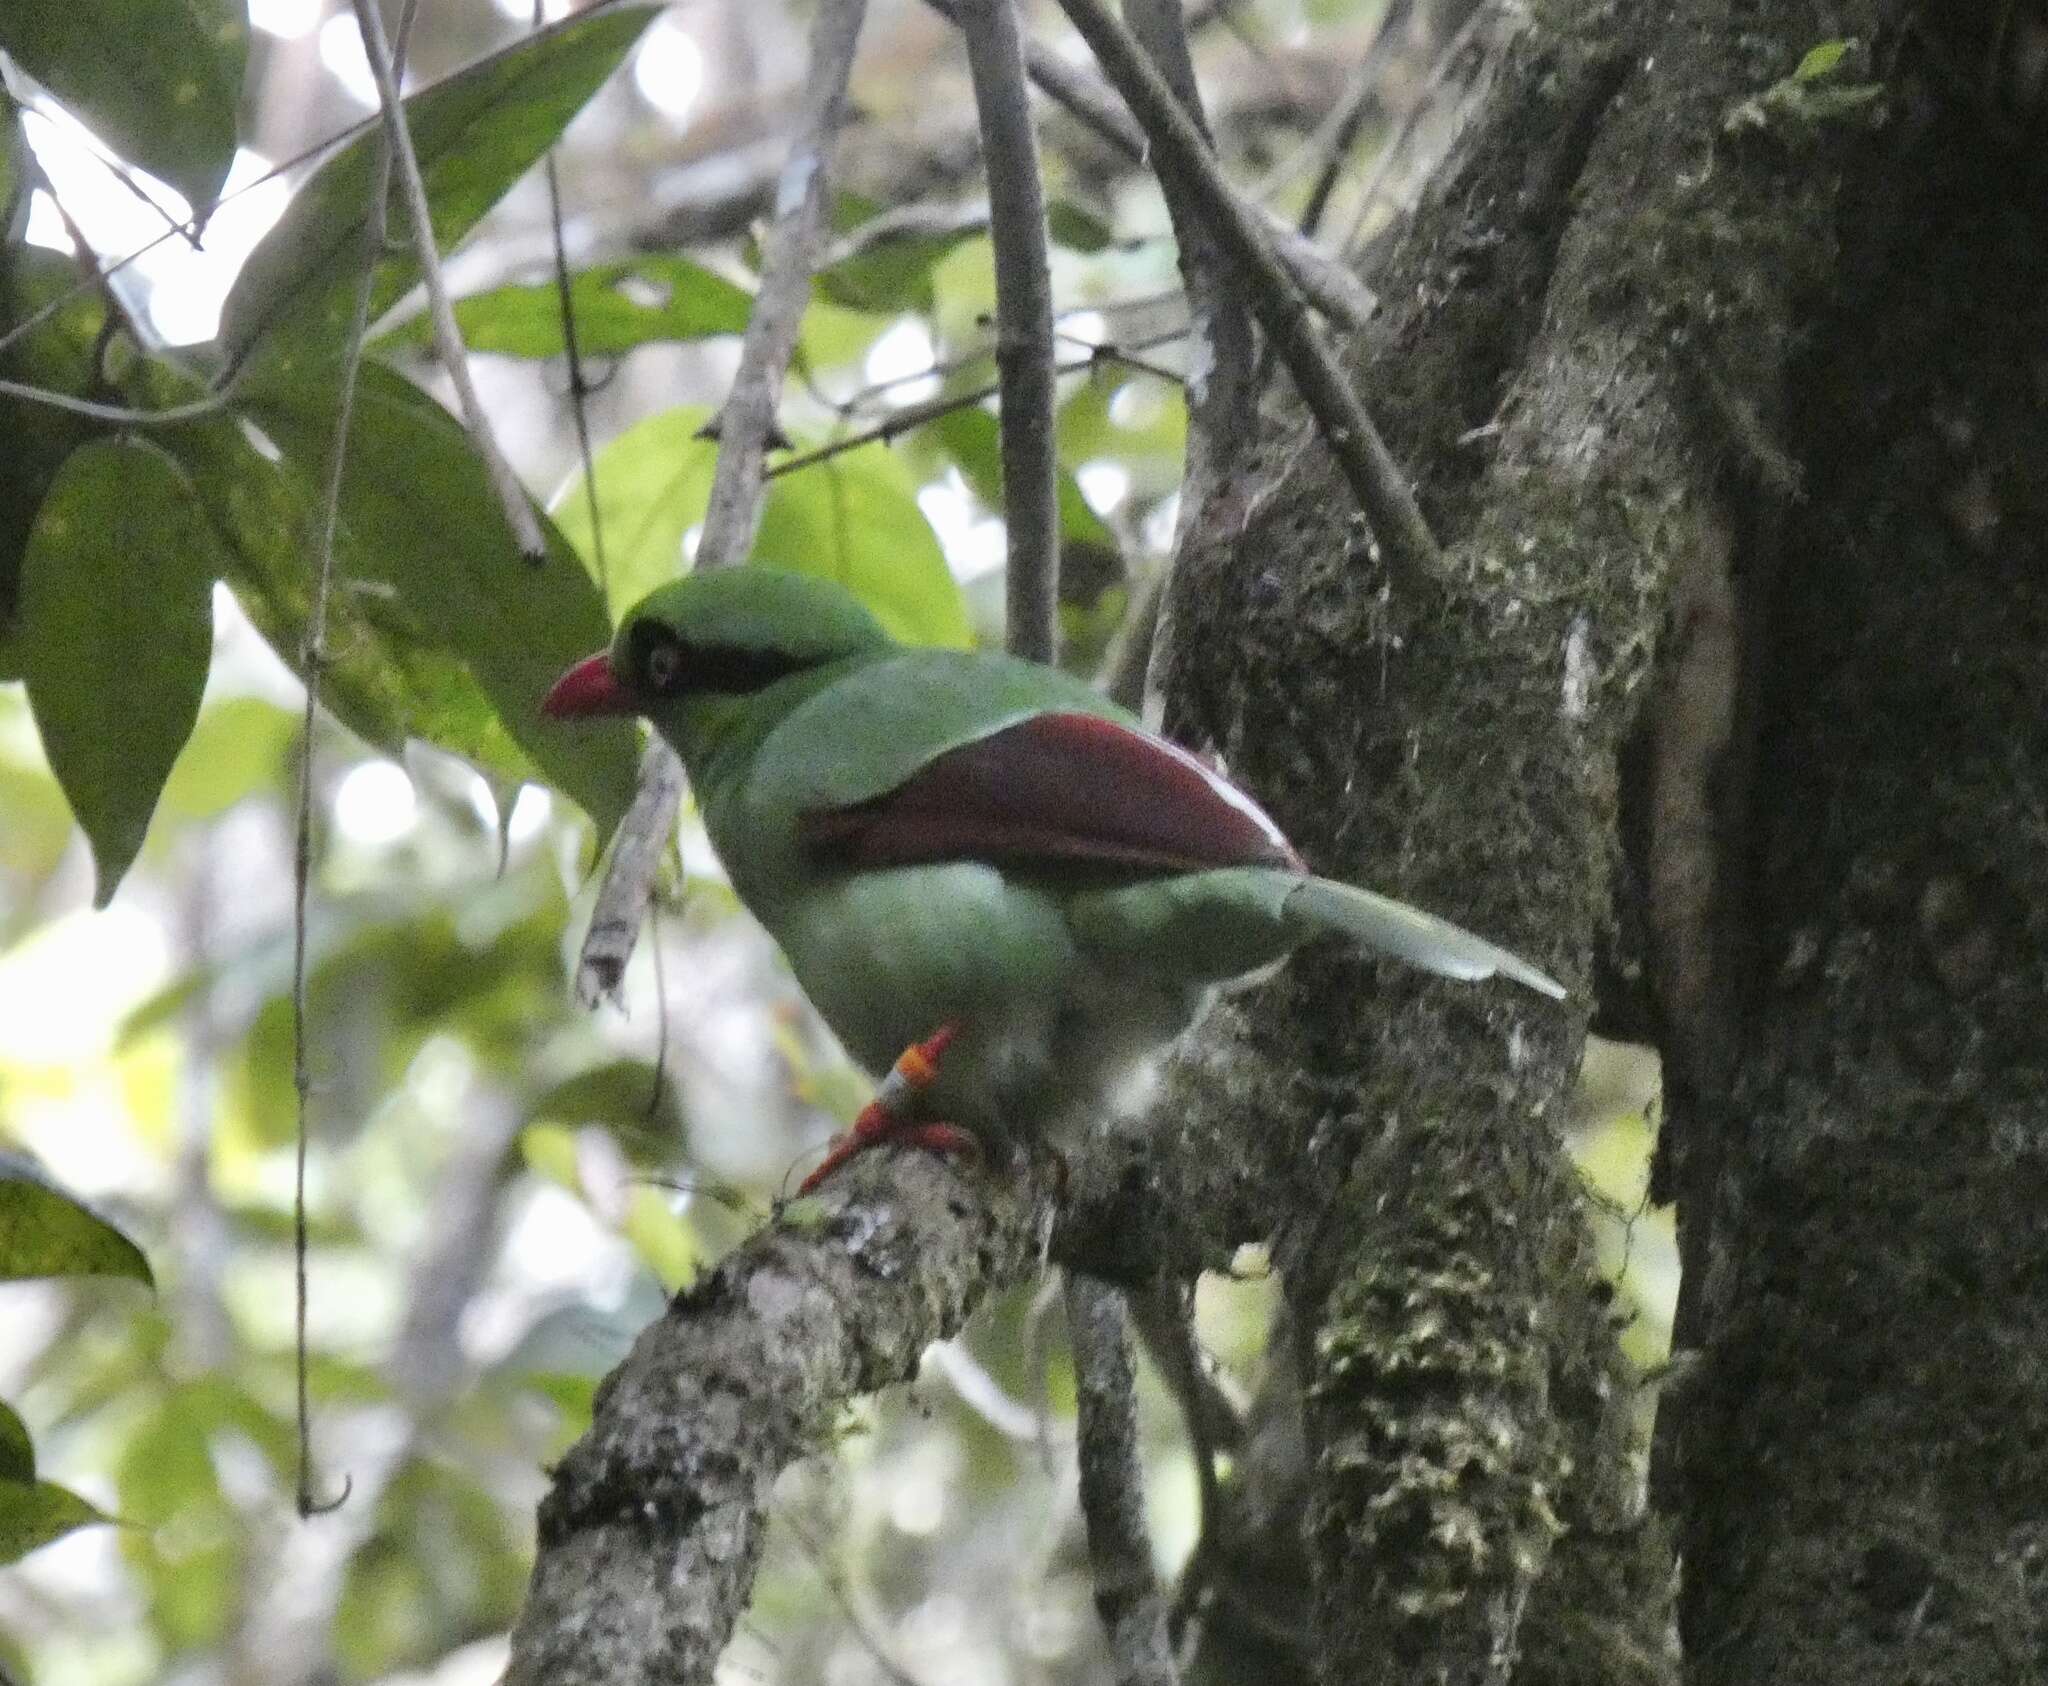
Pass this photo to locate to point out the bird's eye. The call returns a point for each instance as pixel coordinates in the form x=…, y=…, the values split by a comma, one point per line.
x=663, y=667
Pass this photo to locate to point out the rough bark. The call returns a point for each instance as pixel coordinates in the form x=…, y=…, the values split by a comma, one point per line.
x=652, y=1531
x=1860, y=1458
x=1591, y=307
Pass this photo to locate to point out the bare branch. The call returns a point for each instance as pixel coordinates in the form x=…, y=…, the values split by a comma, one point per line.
x=1368, y=466
x=734, y=515
x=1024, y=349
x=454, y=355
x=650, y=1536
x=1127, y=1592
x=1333, y=288
x=628, y=888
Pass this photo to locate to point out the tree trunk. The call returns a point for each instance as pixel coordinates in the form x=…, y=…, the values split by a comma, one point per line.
x=1862, y=1462
x=1587, y=367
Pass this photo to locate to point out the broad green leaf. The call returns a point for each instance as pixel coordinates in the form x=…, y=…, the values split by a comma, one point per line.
x=1137, y=419
x=892, y=272
x=34, y=1513
x=661, y=1238
x=117, y=634
x=47, y=1232
x=618, y=306
x=437, y=628
x=57, y=354
x=239, y=748
x=550, y=1151
x=157, y=80
x=17, y=1451
x=189, y=1546
x=853, y=518
x=631, y=1098
x=1078, y=228
x=972, y=438
x=477, y=132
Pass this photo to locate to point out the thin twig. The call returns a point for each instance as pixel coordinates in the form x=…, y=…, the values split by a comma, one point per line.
x=1370, y=189
x=579, y=387
x=1333, y=288
x=1333, y=141
x=314, y=656
x=119, y=414
x=572, y=351
x=1127, y=1594
x=1368, y=466
x=628, y=888
x=1024, y=346
x=899, y=422
x=734, y=513
x=448, y=344
x=194, y=226
x=1232, y=376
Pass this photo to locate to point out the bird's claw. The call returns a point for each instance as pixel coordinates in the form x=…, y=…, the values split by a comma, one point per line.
x=885, y=1119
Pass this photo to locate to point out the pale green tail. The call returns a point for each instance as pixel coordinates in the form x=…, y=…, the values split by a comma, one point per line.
x=1319, y=905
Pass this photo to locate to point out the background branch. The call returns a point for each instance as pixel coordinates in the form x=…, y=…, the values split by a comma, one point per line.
x=448, y=344
x=1127, y=1592
x=1024, y=347
x=1375, y=479
x=1322, y=279
x=734, y=514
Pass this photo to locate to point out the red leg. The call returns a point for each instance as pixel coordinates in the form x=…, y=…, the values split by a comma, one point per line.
x=886, y=1118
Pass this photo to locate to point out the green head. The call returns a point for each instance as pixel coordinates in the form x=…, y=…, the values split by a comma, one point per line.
x=711, y=651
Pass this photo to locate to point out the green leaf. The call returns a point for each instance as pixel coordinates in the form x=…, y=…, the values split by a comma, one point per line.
x=1821, y=61
x=618, y=306
x=117, y=635
x=972, y=438
x=853, y=518
x=157, y=80
x=57, y=354
x=443, y=1566
x=17, y=1451
x=239, y=748
x=47, y=1232
x=437, y=628
x=476, y=133
x=631, y=1098
x=892, y=272
x=33, y=1513
x=1078, y=228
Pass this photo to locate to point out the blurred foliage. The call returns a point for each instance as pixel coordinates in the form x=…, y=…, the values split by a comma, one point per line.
x=501, y=1189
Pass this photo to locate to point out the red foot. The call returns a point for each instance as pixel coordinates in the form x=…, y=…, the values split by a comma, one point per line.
x=933, y=1138
x=884, y=1119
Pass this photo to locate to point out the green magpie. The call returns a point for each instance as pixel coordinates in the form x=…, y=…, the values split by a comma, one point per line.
x=1000, y=890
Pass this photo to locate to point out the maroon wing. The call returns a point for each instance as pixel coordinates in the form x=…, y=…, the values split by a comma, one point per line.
x=1057, y=787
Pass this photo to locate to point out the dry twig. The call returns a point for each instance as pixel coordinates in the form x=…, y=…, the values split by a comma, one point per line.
x=734, y=515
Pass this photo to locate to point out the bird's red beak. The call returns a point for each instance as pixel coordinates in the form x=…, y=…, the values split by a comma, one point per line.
x=587, y=689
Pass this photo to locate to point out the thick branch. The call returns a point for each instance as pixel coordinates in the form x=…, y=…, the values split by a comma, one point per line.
x=734, y=515
x=650, y=1536
x=1024, y=349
